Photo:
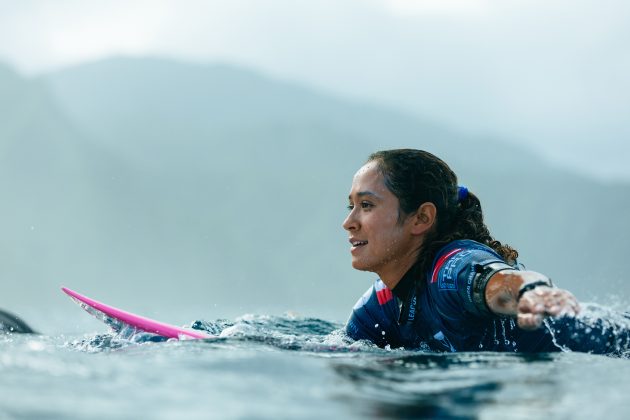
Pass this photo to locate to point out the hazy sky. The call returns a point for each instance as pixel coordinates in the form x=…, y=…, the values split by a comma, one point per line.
x=549, y=74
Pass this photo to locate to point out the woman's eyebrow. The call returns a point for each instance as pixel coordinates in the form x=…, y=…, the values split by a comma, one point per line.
x=363, y=194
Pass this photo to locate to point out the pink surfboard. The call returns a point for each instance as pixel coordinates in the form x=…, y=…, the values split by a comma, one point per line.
x=117, y=319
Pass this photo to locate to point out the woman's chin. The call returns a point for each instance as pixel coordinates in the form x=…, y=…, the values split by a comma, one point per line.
x=359, y=265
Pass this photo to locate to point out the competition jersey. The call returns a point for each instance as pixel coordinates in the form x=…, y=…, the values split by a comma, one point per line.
x=443, y=316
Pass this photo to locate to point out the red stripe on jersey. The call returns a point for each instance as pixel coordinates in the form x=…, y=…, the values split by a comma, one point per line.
x=384, y=296
x=441, y=262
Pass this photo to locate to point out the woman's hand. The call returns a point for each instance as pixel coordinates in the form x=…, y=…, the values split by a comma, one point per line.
x=542, y=301
x=502, y=297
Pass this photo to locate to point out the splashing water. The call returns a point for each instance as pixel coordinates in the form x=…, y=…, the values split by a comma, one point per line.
x=607, y=329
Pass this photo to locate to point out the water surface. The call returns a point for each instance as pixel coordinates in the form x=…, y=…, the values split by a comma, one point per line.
x=284, y=367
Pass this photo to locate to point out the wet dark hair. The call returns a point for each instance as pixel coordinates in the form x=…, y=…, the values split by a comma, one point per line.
x=416, y=177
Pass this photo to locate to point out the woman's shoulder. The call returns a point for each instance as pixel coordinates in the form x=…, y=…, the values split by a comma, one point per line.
x=462, y=247
x=465, y=244
x=457, y=254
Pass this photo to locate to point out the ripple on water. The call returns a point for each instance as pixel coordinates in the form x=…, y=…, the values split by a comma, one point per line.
x=274, y=367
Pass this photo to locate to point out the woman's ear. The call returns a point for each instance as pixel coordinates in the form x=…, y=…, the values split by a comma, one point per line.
x=424, y=219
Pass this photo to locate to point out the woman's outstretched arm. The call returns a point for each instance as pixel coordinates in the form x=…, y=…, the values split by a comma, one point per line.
x=529, y=297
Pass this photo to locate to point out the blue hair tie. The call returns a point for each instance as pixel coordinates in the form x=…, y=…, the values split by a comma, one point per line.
x=462, y=193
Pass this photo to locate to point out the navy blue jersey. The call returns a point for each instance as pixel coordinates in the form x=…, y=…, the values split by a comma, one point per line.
x=444, y=317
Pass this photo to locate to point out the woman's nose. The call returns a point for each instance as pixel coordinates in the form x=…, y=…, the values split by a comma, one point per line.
x=350, y=223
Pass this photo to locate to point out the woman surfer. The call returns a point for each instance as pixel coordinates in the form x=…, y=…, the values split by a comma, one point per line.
x=444, y=281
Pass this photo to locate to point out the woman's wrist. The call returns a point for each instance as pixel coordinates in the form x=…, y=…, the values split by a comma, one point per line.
x=526, y=287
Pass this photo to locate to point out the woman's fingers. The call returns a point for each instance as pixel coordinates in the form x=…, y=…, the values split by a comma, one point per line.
x=529, y=321
x=543, y=301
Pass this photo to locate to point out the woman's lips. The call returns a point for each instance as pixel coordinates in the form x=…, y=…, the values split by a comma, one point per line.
x=356, y=244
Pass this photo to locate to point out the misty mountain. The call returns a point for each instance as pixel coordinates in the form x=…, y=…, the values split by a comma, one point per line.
x=168, y=184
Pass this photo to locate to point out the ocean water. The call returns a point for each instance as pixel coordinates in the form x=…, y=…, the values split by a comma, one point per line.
x=263, y=367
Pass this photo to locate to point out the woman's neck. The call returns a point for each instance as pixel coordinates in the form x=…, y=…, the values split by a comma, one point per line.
x=394, y=271
x=391, y=279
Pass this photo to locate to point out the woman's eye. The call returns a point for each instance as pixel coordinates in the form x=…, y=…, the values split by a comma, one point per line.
x=364, y=205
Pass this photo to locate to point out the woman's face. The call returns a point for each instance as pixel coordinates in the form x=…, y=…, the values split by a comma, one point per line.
x=379, y=241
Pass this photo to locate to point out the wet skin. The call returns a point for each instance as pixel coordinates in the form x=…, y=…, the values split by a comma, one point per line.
x=530, y=311
x=380, y=241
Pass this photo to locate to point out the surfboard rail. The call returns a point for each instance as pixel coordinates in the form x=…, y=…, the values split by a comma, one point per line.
x=118, y=318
